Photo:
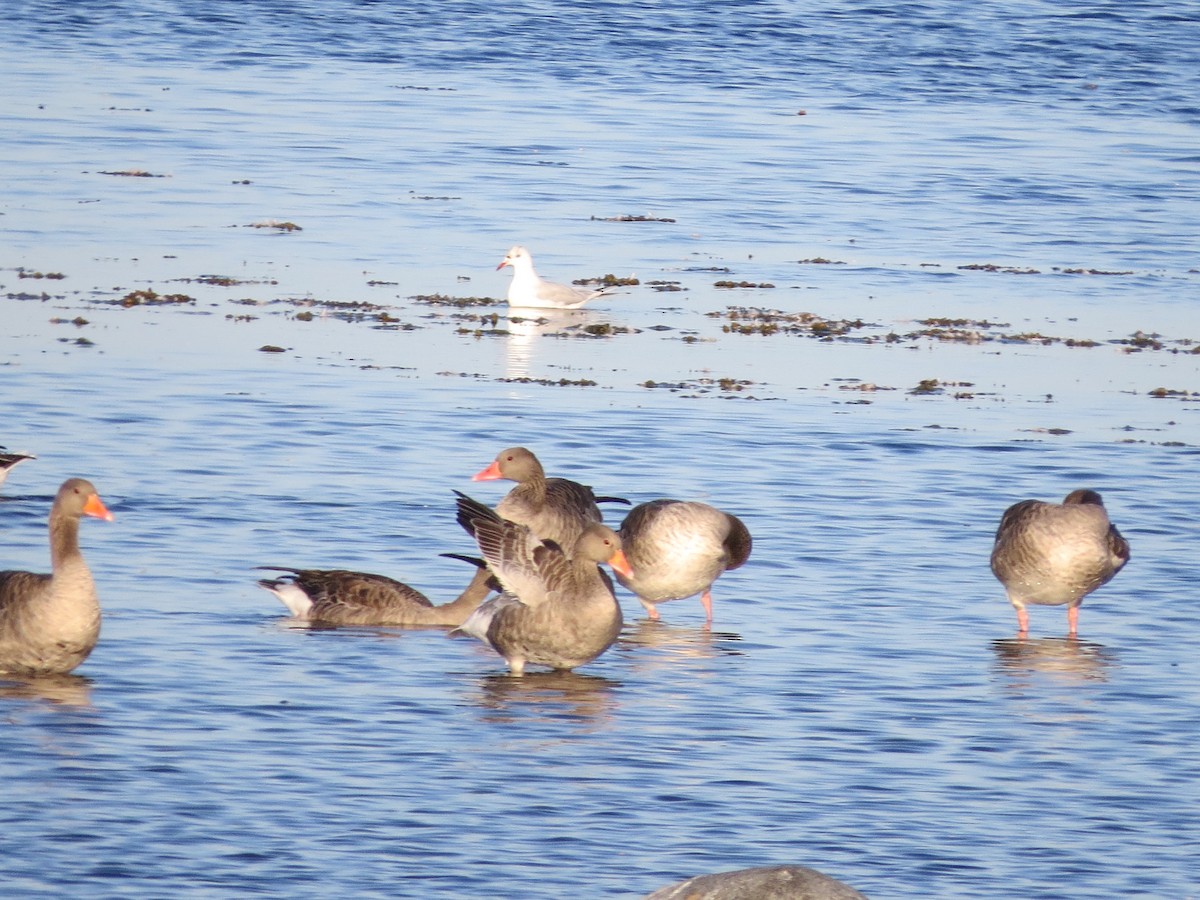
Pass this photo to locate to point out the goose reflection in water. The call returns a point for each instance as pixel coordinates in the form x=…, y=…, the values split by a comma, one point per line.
x=58, y=690
x=556, y=695
x=675, y=642
x=1068, y=659
x=528, y=326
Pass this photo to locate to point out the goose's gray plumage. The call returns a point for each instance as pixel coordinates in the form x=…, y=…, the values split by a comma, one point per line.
x=1056, y=553
x=554, y=509
x=341, y=597
x=557, y=609
x=679, y=548
x=50, y=623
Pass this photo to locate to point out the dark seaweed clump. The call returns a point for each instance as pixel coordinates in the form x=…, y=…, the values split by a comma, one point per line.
x=458, y=302
x=153, y=298
x=743, y=320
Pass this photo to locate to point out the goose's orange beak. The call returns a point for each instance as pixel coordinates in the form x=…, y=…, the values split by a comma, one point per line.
x=491, y=473
x=621, y=564
x=95, y=507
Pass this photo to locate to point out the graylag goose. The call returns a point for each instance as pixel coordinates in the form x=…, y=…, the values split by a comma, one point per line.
x=678, y=549
x=1052, y=554
x=339, y=597
x=50, y=623
x=8, y=460
x=528, y=289
x=557, y=610
x=554, y=509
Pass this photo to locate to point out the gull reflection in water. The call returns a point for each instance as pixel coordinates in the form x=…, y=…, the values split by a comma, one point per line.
x=673, y=643
x=528, y=326
x=58, y=690
x=1066, y=659
x=589, y=699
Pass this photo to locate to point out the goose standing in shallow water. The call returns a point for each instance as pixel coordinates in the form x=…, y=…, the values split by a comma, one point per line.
x=529, y=289
x=8, y=460
x=50, y=623
x=678, y=549
x=556, y=610
x=339, y=597
x=1055, y=553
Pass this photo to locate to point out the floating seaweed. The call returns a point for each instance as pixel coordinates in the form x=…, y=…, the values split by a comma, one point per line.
x=153, y=298
x=225, y=280
x=1163, y=393
x=460, y=302
x=610, y=281
x=1088, y=272
x=750, y=320
x=992, y=267
x=133, y=173
x=550, y=382
x=284, y=227
x=930, y=386
x=631, y=219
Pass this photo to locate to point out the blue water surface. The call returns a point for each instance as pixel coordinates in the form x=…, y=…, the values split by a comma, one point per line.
x=990, y=211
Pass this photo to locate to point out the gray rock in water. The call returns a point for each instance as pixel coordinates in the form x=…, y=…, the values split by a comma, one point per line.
x=764, y=883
